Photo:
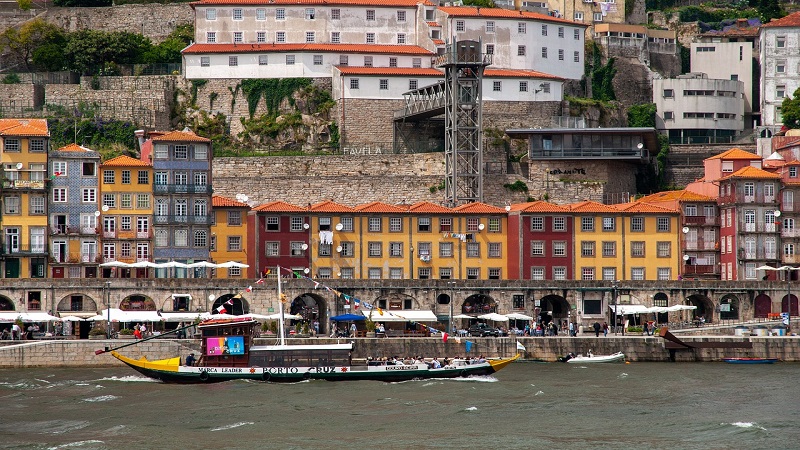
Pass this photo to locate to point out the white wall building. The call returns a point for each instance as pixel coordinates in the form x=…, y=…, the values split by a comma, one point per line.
x=779, y=43
x=694, y=109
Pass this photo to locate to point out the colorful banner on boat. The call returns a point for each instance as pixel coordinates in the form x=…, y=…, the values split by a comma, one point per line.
x=230, y=345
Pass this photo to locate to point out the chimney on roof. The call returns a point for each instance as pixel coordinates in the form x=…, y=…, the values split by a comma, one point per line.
x=741, y=23
x=140, y=137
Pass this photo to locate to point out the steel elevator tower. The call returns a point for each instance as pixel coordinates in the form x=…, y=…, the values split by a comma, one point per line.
x=463, y=62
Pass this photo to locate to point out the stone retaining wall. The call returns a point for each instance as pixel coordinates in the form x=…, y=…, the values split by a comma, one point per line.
x=82, y=353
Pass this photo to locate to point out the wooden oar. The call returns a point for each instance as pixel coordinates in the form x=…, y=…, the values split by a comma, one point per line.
x=107, y=349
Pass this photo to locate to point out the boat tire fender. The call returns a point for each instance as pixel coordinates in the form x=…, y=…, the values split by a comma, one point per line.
x=203, y=375
x=307, y=375
x=265, y=376
x=464, y=374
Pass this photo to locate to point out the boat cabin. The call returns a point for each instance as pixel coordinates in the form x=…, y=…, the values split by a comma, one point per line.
x=330, y=355
x=227, y=342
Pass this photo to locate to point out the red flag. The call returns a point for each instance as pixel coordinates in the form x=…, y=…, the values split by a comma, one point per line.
x=260, y=281
x=222, y=309
x=229, y=302
x=249, y=289
x=444, y=337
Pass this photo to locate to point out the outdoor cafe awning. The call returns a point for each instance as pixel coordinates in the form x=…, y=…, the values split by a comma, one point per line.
x=624, y=310
x=10, y=317
x=402, y=315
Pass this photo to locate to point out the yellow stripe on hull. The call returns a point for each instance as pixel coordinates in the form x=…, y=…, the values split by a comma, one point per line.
x=164, y=365
x=499, y=364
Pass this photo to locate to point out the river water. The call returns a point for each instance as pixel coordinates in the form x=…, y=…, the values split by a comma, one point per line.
x=527, y=405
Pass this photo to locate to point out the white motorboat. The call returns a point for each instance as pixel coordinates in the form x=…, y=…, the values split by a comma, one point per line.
x=591, y=358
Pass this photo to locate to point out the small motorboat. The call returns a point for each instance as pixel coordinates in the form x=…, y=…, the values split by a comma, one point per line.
x=750, y=360
x=592, y=358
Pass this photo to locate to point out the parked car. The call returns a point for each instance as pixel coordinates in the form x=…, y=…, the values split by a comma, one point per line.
x=483, y=330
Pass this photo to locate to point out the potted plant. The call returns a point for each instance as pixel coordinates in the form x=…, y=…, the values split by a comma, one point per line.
x=125, y=333
x=370, y=327
x=97, y=333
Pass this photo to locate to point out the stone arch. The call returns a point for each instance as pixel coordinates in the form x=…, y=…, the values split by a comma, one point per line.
x=785, y=303
x=6, y=304
x=137, y=302
x=313, y=308
x=552, y=308
x=397, y=300
x=479, y=304
x=239, y=305
x=729, y=307
x=705, y=307
x=661, y=299
x=762, y=306
x=77, y=302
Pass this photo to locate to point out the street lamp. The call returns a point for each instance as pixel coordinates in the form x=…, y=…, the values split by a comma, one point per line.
x=614, y=286
x=788, y=270
x=107, y=289
x=450, y=313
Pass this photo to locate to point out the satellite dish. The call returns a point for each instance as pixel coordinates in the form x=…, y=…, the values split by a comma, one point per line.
x=241, y=197
x=97, y=213
x=777, y=213
x=508, y=207
x=339, y=249
x=306, y=226
x=211, y=297
x=685, y=230
x=339, y=227
x=19, y=166
x=304, y=246
x=685, y=257
x=338, y=274
x=481, y=226
x=306, y=270
x=105, y=208
x=640, y=146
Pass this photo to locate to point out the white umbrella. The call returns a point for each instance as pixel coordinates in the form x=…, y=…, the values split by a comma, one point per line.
x=71, y=319
x=494, y=317
x=172, y=264
x=202, y=264
x=518, y=316
x=232, y=264
x=115, y=264
x=142, y=264
x=285, y=316
x=463, y=316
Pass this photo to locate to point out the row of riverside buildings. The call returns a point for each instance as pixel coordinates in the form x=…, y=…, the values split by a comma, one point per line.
x=66, y=212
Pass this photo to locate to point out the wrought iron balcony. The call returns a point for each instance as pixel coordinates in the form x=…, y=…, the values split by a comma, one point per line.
x=182, y=189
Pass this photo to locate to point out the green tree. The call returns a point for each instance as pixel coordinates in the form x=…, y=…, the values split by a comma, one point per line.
x=90, y=52
x=21, y=43
x=643, y=115
x=481, y=3
x=169, y=51
x=790, y=109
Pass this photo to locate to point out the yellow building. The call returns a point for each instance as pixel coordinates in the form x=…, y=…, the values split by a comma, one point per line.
x=651, y=238
x=599, y=254
x=432, y=259
x=335, y=246
x=25, y=143
x=126, y=218
x=384, y=232
x=229, y=235
x=480, y=241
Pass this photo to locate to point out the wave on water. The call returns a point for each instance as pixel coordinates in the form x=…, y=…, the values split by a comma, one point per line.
x=539, y=393
x=130, y=379
x=478, y=378
x=102, y=398
x=471, y=408
x=745, y=425
x=235, y=425
x=622, y=375
x=77, y=444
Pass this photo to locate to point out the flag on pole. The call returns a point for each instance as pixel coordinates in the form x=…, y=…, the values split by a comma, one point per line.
x=468, y=346
x=221, y=309
x=249, y=289
x=260, y=281
x=520, y=346
x=444, y=337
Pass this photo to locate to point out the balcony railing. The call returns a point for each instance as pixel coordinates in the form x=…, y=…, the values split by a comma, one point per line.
x=790, y=232
x=701, y=245
x=75, y=258
x=700, y=220
x=791, y=259
x=747, y=198
x=65, y=230
x=182, y=189
x=182, y=219
x=700, y=269
x=24, y=249
x=758, y=227
x=588, y=153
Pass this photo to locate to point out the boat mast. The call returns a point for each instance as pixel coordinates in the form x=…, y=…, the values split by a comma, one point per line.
x=280, y=304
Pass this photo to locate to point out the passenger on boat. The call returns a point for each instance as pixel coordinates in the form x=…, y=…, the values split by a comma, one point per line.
x=435, y=364
x=190, y=359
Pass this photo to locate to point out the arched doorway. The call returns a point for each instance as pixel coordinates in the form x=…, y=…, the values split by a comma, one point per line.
x=661, y=299
x=785, y=302
x=235, y=305
x=705, y=307
x=6, y=304
x=729, y=308
x=137, y=302
x=312, y=308
x=79, y=305
x=553, y=308
x=479, y=304
x=762, y=306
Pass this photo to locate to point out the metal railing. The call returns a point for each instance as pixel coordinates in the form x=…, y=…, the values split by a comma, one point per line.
x=182, y=189
x=183, y=219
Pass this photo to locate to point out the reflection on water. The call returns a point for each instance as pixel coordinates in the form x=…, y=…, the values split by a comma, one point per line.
x=527, y=405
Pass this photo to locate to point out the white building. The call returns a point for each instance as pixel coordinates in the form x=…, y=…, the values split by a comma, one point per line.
x=779, y=43
x=695, y=109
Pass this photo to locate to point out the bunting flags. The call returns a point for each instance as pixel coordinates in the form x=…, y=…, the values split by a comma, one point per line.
x=444, y=337
x=260, y=281
x=468, y=346
x=221, y=309
x=249, y=289
x=520, y=346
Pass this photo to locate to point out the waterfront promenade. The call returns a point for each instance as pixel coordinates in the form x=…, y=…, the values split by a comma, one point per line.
x=81, y=353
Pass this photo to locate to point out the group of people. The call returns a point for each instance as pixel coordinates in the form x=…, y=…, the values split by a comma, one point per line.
x=140, y=331
x=16, y=333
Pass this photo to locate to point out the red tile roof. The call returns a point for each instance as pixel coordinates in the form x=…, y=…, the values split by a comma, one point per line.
x=73, y=148
x=438, y=41
x=379, y=208
x=587, y=206
x=330, y=207
x=434, y=24
x=333, y=48
x=389, y=71
x=470, y=11
x=735, y=153
x=429, y=208
x=180, y=136
x=792, y=20
x=375, y=3
x=478, y=208
x=125, y=161
x=752, y=172
x=279, y=206
x=782, y=142
x=513, y=73
x=644, y=208
x=682, y=195
x=24, y=127
x=218, y=201
x=539, y=207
